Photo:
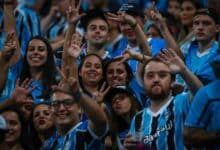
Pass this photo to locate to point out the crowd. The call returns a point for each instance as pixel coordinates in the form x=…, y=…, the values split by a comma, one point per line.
x=110, y=74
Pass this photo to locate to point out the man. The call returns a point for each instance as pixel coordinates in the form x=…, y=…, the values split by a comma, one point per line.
x=71, y=132
x=202, y=125
x=96, y=34
x=159, y=125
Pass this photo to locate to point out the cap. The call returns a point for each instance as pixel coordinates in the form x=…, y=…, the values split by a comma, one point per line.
x=132, y=10
x=209, y=12
x=118, y=89
x=3, y=125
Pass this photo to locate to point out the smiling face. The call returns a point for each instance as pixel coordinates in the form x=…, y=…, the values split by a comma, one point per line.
x=36, y=53
x=13, y=125
x=42, y=118
x=65, y=111
x=97, y=32
x=91, y=72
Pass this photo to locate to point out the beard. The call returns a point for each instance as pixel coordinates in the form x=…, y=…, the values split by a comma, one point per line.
x=157, y=96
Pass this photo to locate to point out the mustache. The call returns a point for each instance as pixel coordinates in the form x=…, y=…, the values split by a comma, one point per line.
x=156, y=84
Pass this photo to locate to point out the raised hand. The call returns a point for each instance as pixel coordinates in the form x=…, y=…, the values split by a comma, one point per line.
x=22, y=92
x=101, y=93
x=130, y=142
x=122, y=17
x=174, y=62
x=73, y=12
x=10, y=47
x=68, y=85
x=74, y=48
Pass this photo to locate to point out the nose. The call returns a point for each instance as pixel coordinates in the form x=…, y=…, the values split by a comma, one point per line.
x=61, y=107
x=156, y=78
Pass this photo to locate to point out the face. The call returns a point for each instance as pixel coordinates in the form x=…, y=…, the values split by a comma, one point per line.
x=26, y=110
x=121, y=104
x=91, y=71
x=157, y=80
x=174, y=8
x=152, y=33
x=187, y=13
x=64, y=110
x=116, y=74
x=14, y=126
x=36, y=53
x=97, y=32
x=42, y=118
x=204, y=28
x=128, y=32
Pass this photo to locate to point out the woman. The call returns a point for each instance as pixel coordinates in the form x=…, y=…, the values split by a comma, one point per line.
x=39, y=65
x=13, y=138
x=91, y=74
x=42, y=123
x=124, y=106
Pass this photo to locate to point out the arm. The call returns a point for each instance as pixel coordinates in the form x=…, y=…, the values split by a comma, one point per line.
x=166, y=33
x=5, y=58
x=10, y=26
x=140, y=36
x=176, y=65
x=200, y=137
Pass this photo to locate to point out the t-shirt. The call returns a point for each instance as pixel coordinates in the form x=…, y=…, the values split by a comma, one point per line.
x=162, y=130
x=204, y=112
x=80, y=137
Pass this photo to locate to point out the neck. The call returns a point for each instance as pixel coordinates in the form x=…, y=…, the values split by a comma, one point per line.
x=10, y=146
x=99, y=50
x=204, y=45
x=113, y=35
x=132, y=43
x=157, y=104
x=91, y=88
x=36, y=73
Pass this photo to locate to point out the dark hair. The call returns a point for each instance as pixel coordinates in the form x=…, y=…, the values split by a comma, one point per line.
x=80, y=67
x=154, y=59
x=209, y=12
x=155, y=27
x=14, y=108
x=127, y=68
x=194, y=2
x=92, y=15
x=49, y=68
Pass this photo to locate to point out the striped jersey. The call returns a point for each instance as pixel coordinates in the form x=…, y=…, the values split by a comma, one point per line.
x=161, y=130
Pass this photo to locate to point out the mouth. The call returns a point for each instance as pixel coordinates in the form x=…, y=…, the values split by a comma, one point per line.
x=41, y=122
x=92, y=74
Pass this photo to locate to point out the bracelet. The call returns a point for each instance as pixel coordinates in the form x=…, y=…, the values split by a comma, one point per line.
x=133, y=26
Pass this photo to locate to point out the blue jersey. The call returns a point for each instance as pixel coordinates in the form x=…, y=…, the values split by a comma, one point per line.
x=196, y=61
x=162, y=130
x=80, y=137
x=204, y=112
x=27, y=26
x=13, y=74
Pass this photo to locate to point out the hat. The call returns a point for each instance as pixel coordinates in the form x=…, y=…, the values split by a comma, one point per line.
x=3, y=125
x=132, y=10
x=118, y=89
x=209, y=12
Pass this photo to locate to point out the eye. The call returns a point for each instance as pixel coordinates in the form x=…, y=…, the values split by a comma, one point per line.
x=36, y=114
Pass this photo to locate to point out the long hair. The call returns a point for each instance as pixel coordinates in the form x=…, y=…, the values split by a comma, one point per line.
x=49, y=68
x=80, y=68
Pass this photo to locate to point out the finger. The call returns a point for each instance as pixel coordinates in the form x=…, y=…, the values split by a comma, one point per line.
x=62, y=75
x=17, y=82
x=106, y=90
x=172, y=52
x=79, y=4
x=103, y=87
x=23, y=84
x=32, y=89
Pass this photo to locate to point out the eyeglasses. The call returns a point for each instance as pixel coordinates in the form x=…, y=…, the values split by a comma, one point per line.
x=67, y=103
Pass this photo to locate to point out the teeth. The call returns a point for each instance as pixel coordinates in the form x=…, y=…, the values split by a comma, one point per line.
x=35, y=58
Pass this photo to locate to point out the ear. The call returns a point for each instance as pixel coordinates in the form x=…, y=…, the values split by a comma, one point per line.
x=217, y=28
